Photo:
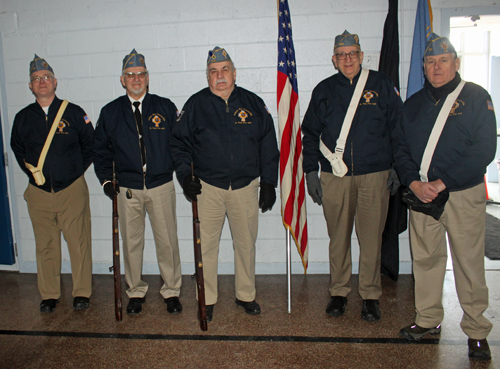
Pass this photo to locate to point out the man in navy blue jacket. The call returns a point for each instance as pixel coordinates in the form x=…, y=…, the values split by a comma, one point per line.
x=61, y=203
x=228, y=134
x=361, y=194
x=465, y=147
x=132, y=139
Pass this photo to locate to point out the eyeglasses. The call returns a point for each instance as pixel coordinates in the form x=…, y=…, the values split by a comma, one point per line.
x=352, y=55
x=39, y=79
x=140, y=75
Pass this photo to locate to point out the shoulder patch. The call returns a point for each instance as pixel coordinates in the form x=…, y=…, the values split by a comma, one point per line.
x=395, y=89
x=87, y=119
x=490, y=105
x=179, y=115
x=265, y=106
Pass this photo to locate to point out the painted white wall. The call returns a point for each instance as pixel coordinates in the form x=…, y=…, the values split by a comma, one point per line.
x=86, y=42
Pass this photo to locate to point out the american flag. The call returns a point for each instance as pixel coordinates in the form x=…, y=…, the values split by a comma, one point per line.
x=293, y=207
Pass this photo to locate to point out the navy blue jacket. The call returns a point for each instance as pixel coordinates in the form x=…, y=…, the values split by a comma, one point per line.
x=117, y=139
x=230, y=143
x=466, y=146
x=70, y=153
x=368, y=145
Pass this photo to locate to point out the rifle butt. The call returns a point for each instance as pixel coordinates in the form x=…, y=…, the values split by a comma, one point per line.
x=116, y=259
x=200, y=282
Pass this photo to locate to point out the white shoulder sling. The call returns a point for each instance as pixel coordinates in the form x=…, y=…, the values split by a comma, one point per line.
x=338, y=166
x=37, y=171
x=436, y=131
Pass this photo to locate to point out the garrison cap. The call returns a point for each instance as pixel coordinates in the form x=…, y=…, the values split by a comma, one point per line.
x=39, y=64
x=438, y=45
x=347, y=39
x=218, y=54
x=134, y=59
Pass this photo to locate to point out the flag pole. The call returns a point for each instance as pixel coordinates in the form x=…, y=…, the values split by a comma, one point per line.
x=292, y=189
x=289, y=269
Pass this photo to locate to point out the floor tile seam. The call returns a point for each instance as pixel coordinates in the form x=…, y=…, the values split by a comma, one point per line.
x=228, y=338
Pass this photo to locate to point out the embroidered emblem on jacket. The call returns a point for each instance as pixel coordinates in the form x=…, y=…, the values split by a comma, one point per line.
x=368, y=95
x=156, y=119
x=61, y=126
x=243, y=114
x=455, y=107
x=490, y=105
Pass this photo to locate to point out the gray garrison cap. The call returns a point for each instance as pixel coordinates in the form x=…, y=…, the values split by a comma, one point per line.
x=134, y=59
x=217, y=55
x=347, y=39
x=39, y=64
x=438, y=45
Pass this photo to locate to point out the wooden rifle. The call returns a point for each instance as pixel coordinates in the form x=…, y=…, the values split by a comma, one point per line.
x=116, y=252
x=198, y=263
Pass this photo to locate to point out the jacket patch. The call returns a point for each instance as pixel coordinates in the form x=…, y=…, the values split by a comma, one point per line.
x=455, y=107
x=244, y=115
x=368, y=96
x=179, y=115
x=87, y=119
x=61, y=126
x=156, y=119
x=490, y=105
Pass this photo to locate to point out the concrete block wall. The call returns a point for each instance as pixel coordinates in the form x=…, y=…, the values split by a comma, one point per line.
x=86, y=42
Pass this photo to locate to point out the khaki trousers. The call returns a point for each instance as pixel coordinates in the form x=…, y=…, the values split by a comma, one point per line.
x=159, y=203
x=242, y=209
x=464, y=221
x=66, y=211
x=364, y=200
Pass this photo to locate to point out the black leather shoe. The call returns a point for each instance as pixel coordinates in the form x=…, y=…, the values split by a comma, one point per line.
x=174, y=306
x=48, y=306
x=210, y=312
x=336, y=306
x=479, y=349
x=81, y=303
x=134, y=305
x=414, y=332
x=371, y=310
x=251, y=307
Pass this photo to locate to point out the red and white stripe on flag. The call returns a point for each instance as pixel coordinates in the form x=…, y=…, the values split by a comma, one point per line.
x=293, y=206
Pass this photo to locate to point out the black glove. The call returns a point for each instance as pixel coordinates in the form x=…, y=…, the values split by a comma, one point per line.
x=267, y=196
x=191, y=188
x=314, y=187
x=110, y=191
x=435, y=208
x=393, y=183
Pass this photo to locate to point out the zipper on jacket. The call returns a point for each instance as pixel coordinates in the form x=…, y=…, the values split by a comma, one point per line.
x=47, y=126
x=352, y=158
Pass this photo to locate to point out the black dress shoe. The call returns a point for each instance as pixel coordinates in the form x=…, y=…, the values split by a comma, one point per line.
x=173, y=305
x=210, y=312
x=336, y=306
x=48, y=306
x=81, y=303
x=479, y=349
x=371, y=310
x=134, y=305
x=251, y=307
x=414, y=332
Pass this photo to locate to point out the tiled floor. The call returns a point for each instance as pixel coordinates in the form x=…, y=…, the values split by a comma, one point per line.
x=306, y=338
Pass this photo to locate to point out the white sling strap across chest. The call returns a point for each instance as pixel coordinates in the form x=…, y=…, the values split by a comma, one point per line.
x=37, y=171
x=338, y=166
x=436, y=131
